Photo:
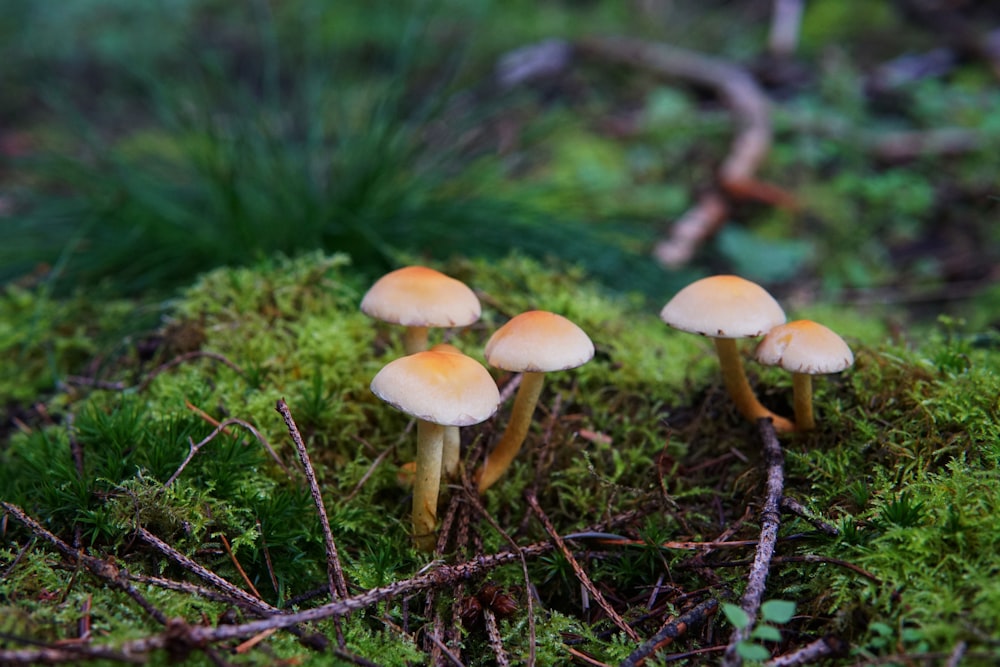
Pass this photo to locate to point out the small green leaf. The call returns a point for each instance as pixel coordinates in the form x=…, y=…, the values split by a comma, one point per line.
x=751, y=651
x=777, y=611
x=767, y=633
x=736, y=616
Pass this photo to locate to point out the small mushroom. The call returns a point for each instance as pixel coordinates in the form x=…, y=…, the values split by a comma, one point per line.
x=418, y=298
x=532, y=343
x=440, y=389
x=451, y=454
x=725, y=308
x=805, y=348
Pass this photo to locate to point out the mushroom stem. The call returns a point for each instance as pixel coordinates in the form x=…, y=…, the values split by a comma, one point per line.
x=415, y=339
x=802, y=391
x=427, y=483
x=739, y=387
x=450, y=454
x=500, y=458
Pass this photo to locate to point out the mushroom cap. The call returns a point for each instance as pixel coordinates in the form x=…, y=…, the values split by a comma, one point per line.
x=416, y=296
x=538, y=341
x=803, y=346
x=723, y=307
x=440, y=387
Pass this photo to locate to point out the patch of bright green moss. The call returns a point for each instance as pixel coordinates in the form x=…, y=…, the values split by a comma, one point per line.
x=902, y=459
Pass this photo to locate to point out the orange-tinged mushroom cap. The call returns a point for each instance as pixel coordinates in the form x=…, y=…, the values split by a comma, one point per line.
x=439, y=387
x=416, y=296
x=723, y=307
x=804, y=346
x=538, y=341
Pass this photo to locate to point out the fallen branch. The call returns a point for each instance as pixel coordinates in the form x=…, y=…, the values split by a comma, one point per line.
x=578, y=570
x=692, y=618
x=750, y=145
x=338, y=584
x=770, y=522
x=810, y=653
x=194, y=447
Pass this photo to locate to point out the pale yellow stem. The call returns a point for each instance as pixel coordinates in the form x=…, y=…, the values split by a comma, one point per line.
x=503, y=454
x=739, y=387
x=451, y=452
x=426, y=484
x=802, y=391
x=415, y=339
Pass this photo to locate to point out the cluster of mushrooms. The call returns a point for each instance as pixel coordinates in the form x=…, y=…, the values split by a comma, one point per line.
x=444, y=389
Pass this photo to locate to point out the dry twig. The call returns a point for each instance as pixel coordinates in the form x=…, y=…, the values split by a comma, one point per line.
x=810, y=653
x=578, y=570
x=692, y=618
x=770, y=522
x=220, y=428
x=338, y=585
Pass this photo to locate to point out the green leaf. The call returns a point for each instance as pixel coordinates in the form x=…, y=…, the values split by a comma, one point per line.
x=767, y=633
x=736, y=616
x=777, y=611
x=751, y=651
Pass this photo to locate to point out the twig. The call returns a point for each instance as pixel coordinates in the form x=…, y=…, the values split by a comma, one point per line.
x=364, y=478
x=692, y=618
x=786, y=17
x=493, y=634
x=807, y=558
x=102, y=569
x=473, y=497
x=187, y=356
x=580, y=574
x=267, y=560
x=810, y=653
x=221, y=427
x=242, y=597
x=770, y=522
x=751, y=143
x=239, y=568
x=955, y=659
x=338, y=585
x=793, y=506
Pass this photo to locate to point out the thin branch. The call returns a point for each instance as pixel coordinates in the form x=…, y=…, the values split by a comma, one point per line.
x=100, y=568
x=238, y=594
x=338, y=585
x=810, y=653
x=578, y=570
x=795, y=507
x=195, y=447
x=693, y=618
x=473, y=497
x=187, y=356
x=770, y=522
x=493, y=634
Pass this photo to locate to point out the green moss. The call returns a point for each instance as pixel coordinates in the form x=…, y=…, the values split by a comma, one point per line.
x=903, y=460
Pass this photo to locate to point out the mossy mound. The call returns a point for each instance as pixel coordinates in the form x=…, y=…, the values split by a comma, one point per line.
x=641, y=438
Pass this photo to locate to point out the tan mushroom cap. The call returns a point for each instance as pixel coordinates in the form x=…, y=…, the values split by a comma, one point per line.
x=804, y=346
x=723, y=307
x=439, y=387
x=416, y=296
x=538, y=341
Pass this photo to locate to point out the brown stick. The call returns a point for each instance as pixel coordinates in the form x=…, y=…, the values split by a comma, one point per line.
x=101, y=569
x=750, y=145
x=578, y=570
x=692, y=618
x=338, y=585
x=770, y=522
x=810, y=653
x=220, y=428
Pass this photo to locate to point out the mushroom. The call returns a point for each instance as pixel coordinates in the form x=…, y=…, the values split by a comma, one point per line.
x=725, y=308
x=440, y=389
x=418, y=297
x=532, y=343
x=451, y=452
x=805, y=348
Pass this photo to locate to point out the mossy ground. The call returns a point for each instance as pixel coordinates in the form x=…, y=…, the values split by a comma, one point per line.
x=904, y=461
